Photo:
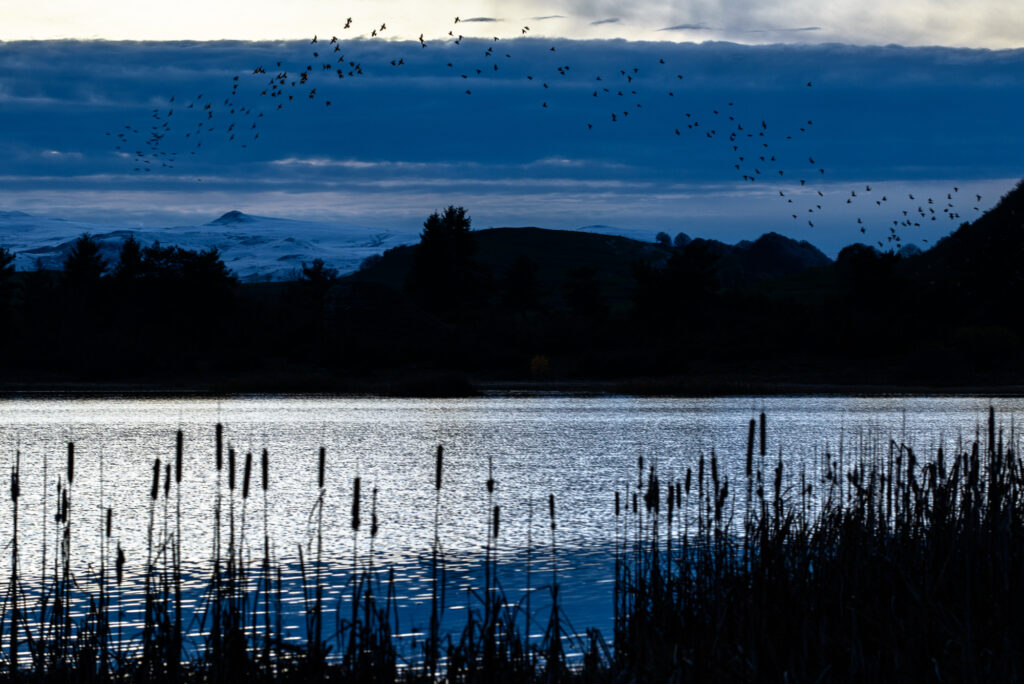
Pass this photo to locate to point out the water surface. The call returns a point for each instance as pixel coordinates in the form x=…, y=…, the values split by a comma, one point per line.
x=580, y=448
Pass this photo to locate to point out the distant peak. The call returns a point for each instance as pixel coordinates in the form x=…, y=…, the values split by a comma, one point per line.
x=231, y=218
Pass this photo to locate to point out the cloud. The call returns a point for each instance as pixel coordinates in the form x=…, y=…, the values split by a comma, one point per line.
x=480, y=20
x=398, y=141
x=610, y=20
x=784, y=30
x=546, y=17
x=688, y=27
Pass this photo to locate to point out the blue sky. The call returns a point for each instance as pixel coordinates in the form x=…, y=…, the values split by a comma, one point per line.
x=398, y=142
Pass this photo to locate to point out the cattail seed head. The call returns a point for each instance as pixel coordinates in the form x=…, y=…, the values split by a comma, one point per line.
x=497, y=515
x=167, y=480
x=551, y=509
x=750, y=447
x=110, y=521
x=764, y=433
x=438, y=466
x=373, y=515
x=355, y=505
x=246, y=476
x=617, y=511
x=71, y=463
x=15, y=484
x=220, y=447
x=60, y=491
x=231, y=468
x=265, y=467
x=155, y=490
x=179, y=451
x=119, y=564
x=322, y=467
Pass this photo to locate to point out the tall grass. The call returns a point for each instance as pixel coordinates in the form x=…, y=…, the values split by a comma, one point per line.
x=876, y=564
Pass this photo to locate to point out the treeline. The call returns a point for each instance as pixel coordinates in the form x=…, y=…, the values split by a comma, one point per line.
x=156, y=309
x=532, y=305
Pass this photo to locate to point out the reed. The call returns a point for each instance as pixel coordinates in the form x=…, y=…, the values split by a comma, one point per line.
x=871, y=562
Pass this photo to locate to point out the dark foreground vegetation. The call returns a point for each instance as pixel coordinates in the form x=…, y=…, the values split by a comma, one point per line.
x=870, y=565
x=464, y=308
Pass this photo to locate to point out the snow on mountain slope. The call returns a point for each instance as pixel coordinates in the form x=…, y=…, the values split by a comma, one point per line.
x=254, y=247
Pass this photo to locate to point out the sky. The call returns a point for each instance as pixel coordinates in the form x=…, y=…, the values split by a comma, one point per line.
x=907, y=99
x=962, y=23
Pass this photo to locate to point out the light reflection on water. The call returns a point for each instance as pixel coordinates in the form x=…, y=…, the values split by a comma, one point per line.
x=581, y=448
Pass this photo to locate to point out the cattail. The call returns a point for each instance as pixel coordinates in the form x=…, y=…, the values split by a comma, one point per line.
x=437, y=467
x=156, y=480
x=355, y=505
x=750, y=448
x=373, y=515
x=639, y=472
x=167, y=480
x=991, y=428
x=71, y=463
x=231, y=468
x=110, y=521
x=497, y=513
x=490, y=475
x=635, y=508
x=179, y=451
x=679, y=492
x=15, y=485
x=778, y=479
x=56, y=515
x=764, y=439
x=714, y=471
x=220, y=447
x=617, y=504
x=700, y=478
x=119, y=563
x=265, y=467
x=551, y=509
x=322, y=467
x=245, y=477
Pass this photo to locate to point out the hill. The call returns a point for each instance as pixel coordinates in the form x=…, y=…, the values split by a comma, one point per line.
x=612, y=258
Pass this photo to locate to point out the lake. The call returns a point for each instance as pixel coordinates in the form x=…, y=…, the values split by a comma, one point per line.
x=582, y=449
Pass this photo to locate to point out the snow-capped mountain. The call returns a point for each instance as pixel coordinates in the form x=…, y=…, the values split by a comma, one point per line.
x=254, y=247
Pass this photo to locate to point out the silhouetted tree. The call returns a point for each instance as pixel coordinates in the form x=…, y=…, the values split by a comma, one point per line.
x=318, y=273
x=6, y=281
x=681, y=240
x=6, y=265
x=443, y=275
x=663, y=239
x=129, y=264
x=84, y=266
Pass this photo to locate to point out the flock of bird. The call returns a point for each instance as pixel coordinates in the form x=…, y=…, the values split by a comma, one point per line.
x=756, y=149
